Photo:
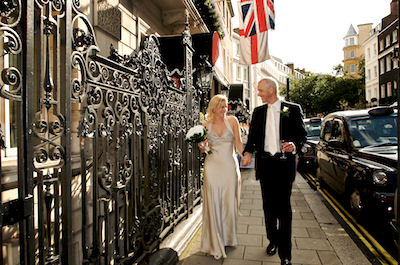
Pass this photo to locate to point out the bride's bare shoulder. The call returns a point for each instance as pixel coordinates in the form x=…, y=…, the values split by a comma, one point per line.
x=232, y=119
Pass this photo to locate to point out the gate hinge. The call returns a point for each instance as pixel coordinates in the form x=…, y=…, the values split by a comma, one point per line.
x=16, y=210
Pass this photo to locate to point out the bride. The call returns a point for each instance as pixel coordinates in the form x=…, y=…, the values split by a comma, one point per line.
x=221, y=186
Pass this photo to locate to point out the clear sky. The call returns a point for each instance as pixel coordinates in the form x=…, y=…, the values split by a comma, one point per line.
x=309, y=33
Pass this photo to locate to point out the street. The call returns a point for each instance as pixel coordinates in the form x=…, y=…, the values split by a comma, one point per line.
x=371, y=232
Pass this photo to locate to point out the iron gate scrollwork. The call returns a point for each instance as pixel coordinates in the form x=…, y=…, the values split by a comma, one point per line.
x=104, y=173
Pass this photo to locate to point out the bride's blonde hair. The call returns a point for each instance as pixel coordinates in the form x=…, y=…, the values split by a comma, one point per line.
x=214, y=103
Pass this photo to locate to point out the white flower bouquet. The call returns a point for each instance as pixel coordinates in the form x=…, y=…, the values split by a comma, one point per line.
x=198, y=134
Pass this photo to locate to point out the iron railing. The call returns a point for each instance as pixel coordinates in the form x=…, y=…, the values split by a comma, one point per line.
x=103, y=172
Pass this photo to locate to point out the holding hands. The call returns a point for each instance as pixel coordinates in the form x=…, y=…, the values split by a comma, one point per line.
x=246, y=159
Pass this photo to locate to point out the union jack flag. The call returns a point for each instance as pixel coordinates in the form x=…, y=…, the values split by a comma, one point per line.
x=255, y=18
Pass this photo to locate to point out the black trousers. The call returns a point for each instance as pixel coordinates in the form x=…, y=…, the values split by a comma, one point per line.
x=276, y=178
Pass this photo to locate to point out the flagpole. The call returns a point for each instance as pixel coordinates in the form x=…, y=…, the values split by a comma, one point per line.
x=249, y=84
x=287, y=88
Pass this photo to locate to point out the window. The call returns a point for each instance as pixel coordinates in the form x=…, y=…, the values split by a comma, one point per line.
x=382, y=66
x=375, y=51
x=351, y=41
x=337, y=131
x=346, y=54
x=238, y=73
x=247, y=92
x=389, y=89
x=388, y=64
x=387, y=42
x=237, y=50
x=369, y=53
x=381, y=45
x=373, y=130
x=369, y=74
x=352, y=54
x=327, y=131
x=352, y=68
x=394, y=36
x=333, y=130
x=245, y=75
x=383, y=91
x=375, y=71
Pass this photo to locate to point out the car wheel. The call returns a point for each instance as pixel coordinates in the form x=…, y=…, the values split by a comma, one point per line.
x=356, y=203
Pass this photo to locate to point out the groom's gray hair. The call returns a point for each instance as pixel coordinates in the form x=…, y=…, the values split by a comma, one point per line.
x=270, y=81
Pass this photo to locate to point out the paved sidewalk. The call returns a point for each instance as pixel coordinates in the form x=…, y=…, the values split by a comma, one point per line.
x=317, y=237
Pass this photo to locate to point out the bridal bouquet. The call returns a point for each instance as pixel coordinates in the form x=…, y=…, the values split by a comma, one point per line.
x=197, y=134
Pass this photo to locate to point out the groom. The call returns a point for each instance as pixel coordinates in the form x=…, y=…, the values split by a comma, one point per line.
x=276, y=135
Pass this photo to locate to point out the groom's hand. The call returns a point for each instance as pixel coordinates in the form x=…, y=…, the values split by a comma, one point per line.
x=246, y=159
x=289, y=147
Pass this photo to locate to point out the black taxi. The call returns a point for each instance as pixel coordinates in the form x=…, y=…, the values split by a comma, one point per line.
x=307, y=159
x=357, y=157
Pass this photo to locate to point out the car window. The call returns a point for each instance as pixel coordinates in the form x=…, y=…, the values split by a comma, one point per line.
x=337, y=132
x=313, y=128
x=333, y=130
x=373, y=130
x=327, y=131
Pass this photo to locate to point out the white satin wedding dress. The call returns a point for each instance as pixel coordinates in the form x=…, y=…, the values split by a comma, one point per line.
x=221, y=194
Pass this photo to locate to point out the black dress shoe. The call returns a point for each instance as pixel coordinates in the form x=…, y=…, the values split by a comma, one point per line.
x=271, y=249
x=286, y=261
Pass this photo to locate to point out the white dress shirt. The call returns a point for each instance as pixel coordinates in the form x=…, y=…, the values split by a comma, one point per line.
x=276, y=111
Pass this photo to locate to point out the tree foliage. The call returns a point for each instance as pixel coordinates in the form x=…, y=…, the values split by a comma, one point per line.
x=323, y=93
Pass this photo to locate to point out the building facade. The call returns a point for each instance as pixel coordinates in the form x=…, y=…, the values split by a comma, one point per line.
x=125, y=24
x=353, y=51
x=388, y=46
x=223, y=66
x=371, y=68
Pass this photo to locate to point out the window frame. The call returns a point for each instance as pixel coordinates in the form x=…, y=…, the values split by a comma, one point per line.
x=352, y=68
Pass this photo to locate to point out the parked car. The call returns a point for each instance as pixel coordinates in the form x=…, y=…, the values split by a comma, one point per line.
x=357, y=157
x=395, y=222
x=307, y=159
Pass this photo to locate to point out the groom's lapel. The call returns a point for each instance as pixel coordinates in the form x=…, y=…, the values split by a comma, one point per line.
x=265, y=106
x=283, y=104
x=264, y=121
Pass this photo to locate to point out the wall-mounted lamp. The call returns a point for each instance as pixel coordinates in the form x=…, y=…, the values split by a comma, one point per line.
x=204, y=75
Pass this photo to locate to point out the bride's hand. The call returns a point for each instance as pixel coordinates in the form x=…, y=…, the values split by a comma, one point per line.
x=203, y=146
x=246, y=159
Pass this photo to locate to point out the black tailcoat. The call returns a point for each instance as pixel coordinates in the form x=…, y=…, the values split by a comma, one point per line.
x=276, y=175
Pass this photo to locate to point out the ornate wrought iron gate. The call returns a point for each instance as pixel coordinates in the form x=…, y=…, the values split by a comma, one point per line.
x=103, y=171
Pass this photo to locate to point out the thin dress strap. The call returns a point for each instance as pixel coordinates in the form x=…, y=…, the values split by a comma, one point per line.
x=228, y=126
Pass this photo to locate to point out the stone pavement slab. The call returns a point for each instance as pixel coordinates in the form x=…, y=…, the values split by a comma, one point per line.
x=317, y=236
